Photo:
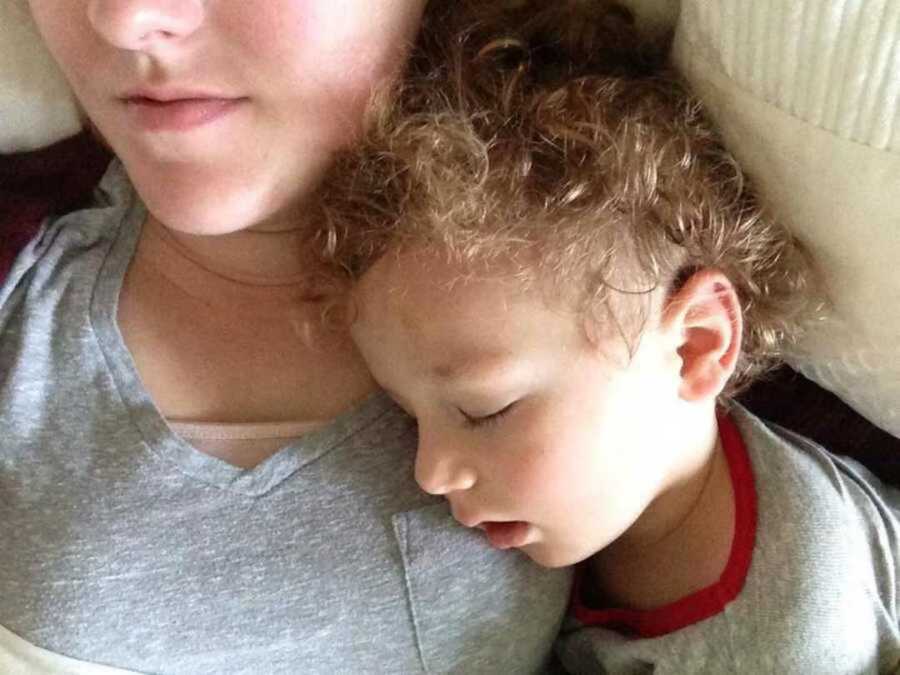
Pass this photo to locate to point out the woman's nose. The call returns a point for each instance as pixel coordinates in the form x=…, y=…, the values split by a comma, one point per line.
x=440, y=472
x=138, y=25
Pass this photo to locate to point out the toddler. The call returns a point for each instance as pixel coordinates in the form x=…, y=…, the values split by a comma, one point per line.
x=563, y=277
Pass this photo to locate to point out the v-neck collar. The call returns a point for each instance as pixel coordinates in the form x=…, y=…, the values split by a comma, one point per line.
x=138, y=404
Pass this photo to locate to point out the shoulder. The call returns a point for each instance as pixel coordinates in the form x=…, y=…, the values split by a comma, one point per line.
x=827, y=555
x=814, y=498
x=788, y=465
x=47, y=294
x=821, y=587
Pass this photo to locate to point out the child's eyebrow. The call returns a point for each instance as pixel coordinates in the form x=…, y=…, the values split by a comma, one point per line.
x=468, y=366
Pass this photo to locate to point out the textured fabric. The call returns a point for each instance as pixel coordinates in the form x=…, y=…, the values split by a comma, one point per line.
x=127, y=547
x=18, y=657
x=807, y=95
x=834, y=64
x=820, y=595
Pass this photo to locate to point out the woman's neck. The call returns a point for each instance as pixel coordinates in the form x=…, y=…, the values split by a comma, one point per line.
x=261, y=256
x=232, y=329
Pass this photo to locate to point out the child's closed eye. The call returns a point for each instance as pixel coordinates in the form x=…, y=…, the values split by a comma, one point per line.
x=477, y=421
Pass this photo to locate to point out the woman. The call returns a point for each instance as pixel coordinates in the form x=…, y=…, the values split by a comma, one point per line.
x=195, y=475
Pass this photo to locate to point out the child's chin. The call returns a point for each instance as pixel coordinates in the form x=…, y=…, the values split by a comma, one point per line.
x=548, y=557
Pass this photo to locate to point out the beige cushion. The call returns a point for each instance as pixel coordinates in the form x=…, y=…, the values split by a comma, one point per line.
x=807, y=94
x=36, y=106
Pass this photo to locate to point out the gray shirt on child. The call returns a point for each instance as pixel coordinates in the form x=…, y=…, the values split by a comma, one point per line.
x=123, y=545
x=821, y=591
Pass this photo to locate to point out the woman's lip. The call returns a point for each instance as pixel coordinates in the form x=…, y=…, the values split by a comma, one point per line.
x=179, y=114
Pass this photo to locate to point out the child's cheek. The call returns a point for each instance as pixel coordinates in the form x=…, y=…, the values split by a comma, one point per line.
x=543, y=464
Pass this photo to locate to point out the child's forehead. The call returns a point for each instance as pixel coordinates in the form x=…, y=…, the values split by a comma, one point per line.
x=438, y=300
x=409, y=276
x=442, y=318
x=427, y=290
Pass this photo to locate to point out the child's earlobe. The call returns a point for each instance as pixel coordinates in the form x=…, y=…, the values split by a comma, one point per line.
x=706, y=312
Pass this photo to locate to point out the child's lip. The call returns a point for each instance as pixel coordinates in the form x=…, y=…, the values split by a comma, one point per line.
x=506, y=534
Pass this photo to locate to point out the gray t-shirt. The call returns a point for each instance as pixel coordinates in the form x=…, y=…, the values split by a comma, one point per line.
x=820, y=592
x=123, y=545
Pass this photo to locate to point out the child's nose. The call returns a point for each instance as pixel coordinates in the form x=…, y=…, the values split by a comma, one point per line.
x=139, y=24
x=440, y=472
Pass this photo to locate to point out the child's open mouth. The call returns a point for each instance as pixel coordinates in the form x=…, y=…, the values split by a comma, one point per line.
x=510, y=534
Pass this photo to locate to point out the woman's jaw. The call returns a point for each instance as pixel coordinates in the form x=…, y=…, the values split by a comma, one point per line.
x=226, y=114
x=225, y=195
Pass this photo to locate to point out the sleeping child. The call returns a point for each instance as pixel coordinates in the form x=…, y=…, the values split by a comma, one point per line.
x=564, y=278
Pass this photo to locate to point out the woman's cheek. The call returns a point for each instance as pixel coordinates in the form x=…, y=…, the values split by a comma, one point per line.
x=344, y=48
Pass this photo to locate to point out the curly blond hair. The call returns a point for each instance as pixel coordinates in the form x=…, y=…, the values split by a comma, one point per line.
x=555, y=130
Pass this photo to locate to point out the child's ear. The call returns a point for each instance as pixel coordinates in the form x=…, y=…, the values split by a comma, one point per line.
x=704, y=316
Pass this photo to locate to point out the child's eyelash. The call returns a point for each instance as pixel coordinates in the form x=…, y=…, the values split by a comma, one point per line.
x=493, y=418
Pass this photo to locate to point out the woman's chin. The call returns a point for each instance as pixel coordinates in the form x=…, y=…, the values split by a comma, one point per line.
x=201, y=218
x=206, y=205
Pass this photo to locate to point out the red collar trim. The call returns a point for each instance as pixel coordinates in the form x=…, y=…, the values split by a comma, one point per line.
x=708, y=601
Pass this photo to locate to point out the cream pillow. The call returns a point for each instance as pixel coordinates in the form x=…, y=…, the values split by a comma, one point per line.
x=807, y=94
x=36, y=106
